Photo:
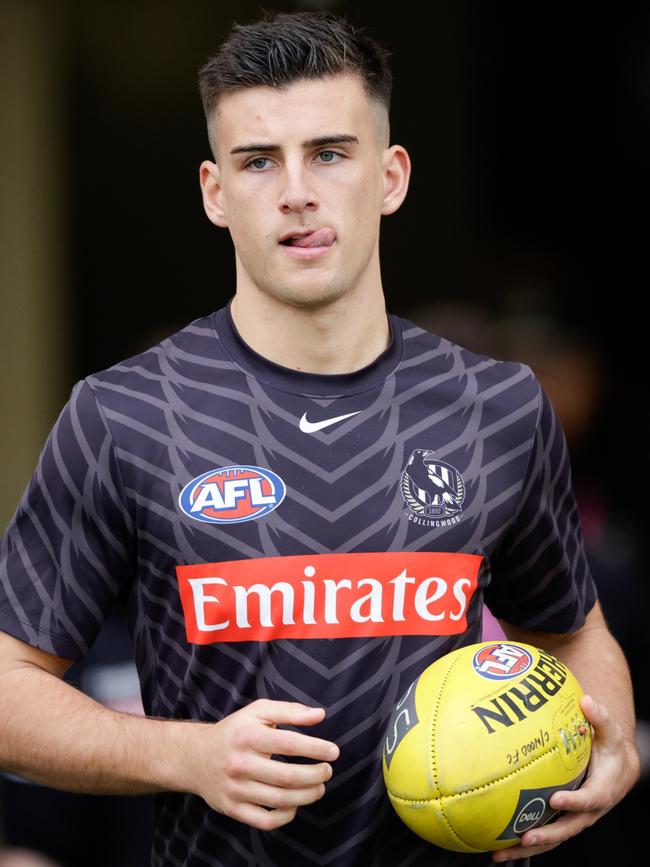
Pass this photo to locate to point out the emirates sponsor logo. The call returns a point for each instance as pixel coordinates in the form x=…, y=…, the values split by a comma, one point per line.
x=328, y=596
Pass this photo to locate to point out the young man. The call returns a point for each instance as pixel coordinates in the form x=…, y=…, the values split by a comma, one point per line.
x=277, y=484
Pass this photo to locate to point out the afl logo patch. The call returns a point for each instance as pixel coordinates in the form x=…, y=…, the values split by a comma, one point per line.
x=231, y=495
x=501, y=661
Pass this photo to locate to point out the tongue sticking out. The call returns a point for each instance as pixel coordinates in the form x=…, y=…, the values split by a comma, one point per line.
x=320, y=238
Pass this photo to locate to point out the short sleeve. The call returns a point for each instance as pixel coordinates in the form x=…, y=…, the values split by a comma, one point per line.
x=540, y=573
x=69, y=548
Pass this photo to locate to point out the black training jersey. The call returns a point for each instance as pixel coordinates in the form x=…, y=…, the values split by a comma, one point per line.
x=302, y=537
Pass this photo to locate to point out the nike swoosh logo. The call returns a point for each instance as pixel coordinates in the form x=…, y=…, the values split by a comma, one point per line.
x=312, y=426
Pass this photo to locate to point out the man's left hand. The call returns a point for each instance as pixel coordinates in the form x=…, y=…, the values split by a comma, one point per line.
x=613, y=770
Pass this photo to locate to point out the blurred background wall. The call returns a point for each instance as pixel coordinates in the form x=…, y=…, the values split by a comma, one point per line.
x=35, y=254
x=524, y=235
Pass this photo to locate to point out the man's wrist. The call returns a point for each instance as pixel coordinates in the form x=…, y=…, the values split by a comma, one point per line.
x=175, y=744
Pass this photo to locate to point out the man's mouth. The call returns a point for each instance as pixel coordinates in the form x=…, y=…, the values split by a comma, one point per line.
x=323, y=237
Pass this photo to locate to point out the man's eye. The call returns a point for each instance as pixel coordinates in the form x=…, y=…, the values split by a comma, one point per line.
x=257, y=163
x=330, y=156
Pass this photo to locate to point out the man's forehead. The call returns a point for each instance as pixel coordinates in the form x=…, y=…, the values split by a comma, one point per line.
x=294, y=109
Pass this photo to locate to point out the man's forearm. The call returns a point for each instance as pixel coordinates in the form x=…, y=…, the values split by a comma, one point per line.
x=598, y=662
x=54, y=734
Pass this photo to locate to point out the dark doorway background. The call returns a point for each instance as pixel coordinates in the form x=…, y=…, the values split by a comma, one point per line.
x=527, y=125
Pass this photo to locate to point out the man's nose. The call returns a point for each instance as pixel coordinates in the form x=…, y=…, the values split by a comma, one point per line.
x=296, y=192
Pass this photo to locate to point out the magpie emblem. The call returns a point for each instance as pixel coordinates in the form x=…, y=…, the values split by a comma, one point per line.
x=432, y=488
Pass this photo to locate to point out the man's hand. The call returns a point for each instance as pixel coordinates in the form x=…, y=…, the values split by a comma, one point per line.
x=237, y=775
x=613, y=770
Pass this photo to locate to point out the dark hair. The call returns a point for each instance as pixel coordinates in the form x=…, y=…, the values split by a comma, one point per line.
x=284, y=47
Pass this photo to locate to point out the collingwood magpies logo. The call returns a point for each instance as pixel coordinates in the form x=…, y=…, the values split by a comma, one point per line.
x=432, y=489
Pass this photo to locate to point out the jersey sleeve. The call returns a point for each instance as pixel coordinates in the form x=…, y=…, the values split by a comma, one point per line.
x=540, y=573
x=69, y=548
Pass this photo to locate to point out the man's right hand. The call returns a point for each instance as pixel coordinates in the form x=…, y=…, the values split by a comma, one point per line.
x=88, y=748
x=238, y=776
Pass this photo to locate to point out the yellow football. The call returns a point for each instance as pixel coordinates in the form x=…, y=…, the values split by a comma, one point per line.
x=479, y=743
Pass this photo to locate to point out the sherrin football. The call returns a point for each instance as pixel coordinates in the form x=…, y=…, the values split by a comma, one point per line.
x=479, y=743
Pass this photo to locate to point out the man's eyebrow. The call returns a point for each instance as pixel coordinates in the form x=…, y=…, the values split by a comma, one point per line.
x=330, y=139
x=340, y=138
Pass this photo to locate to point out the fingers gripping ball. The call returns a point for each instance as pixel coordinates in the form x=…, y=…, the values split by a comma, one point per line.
x=479, y=743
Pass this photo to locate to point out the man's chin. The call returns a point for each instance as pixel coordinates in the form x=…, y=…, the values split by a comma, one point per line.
x=310, y=295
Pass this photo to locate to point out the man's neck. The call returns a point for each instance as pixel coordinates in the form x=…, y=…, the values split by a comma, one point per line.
x=341, y=337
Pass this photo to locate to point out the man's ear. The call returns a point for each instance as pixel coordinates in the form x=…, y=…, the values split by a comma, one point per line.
x=210, y=178
x=397, y=172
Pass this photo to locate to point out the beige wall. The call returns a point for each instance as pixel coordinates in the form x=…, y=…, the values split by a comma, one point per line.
x=33, y=224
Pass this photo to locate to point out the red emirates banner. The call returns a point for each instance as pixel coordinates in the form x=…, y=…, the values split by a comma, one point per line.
x=328, y=596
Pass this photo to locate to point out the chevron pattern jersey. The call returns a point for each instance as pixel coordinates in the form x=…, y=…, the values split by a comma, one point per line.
x=301, y=537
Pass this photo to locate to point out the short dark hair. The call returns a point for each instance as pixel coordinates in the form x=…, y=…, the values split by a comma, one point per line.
x=284, y=47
